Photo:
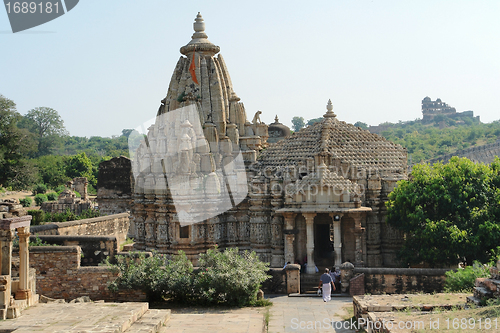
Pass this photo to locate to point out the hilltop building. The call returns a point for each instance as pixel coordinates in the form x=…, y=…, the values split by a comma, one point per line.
x=431, y=109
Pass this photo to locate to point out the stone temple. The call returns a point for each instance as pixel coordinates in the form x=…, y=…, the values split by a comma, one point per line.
x=205, y=176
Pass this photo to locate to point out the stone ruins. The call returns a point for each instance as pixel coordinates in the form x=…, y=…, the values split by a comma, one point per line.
x=114, y=186
x=68, y=200
x=316, y=196
x=431, y=108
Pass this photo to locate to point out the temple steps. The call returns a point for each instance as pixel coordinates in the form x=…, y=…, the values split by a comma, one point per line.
x=151, y=322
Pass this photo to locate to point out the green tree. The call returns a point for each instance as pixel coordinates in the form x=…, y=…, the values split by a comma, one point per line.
x=48, y=128
x=52, y=170
x=449, y=213
x=15, y=144
x=81, y=166
x=298, y=123
x=313, y=121
x=361, y=124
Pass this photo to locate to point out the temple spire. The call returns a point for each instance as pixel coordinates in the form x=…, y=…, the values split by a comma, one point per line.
x=200, y=39
x=329, y=113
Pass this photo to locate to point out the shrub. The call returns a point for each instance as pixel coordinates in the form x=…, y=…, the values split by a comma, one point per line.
x=52, y=196
x=463, y=280
x=26, y=202
x=59, y=189
x=40, y=198
x=230, y=278
x=38, y=216
x=227, y=277
x=39, y=189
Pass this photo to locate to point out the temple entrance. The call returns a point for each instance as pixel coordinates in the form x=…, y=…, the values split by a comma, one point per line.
x=323, y=243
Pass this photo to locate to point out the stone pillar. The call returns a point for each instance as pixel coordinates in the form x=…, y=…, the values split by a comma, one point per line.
x=6, y=237
x=23, y=292
x=289, y=237
x=292, y=279
x=358, y=232
x=337, y=239
x=310, y=242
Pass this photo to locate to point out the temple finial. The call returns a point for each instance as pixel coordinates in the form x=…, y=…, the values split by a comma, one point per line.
x=329, y=108
x=200, y=39
x=276, y=120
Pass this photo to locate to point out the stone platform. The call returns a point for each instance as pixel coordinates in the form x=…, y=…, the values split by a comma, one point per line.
x=88, y=317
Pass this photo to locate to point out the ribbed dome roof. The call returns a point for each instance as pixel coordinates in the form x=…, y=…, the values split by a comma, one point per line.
x=340, y=141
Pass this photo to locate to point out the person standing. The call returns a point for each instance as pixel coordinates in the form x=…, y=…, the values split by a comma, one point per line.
x=326, y=283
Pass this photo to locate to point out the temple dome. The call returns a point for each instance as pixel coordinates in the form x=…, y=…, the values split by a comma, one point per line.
x=277, y=131
x=339, y=143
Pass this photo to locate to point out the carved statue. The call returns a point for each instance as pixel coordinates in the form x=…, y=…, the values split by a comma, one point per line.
x=256, y=118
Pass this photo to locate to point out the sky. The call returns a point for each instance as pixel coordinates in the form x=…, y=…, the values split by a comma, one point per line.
x=106, y=65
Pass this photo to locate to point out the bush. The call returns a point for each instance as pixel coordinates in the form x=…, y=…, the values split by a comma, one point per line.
x=59, y=189
x=38, y=216
x=26, y=202
x=52, y=196
x=40, y=198
x=230, y=278
x=39, y=189
x=227, y=277
x=463, y=280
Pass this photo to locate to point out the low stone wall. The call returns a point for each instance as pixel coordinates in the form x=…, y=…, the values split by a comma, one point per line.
x=116, y=225
x=94, y=248
x=59, y=275
x=56, y=207
x=402, y=280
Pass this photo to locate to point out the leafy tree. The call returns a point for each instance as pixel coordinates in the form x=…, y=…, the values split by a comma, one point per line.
x=52, y=170
x=313, y=121
x=361, y=124
x=15, y=144
x=298, y=123
x=81, y=166
x=450, y=213
x=47, y=126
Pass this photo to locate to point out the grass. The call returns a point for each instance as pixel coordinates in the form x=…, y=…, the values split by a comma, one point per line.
x=127, y=241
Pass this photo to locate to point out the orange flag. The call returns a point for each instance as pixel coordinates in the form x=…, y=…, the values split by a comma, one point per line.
x=192, y=68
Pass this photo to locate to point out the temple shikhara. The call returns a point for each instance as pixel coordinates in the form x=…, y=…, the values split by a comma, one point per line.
x=205, y=175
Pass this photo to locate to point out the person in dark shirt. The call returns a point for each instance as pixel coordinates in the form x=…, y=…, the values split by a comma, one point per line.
x=326, y=283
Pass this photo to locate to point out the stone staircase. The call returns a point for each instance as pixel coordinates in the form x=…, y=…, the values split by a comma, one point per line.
x=151, y=321
x=309, y=283
x=486, y=288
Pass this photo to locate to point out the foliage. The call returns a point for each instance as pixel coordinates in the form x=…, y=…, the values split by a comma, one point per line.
x=155, y=275
x=313, y=121
x=427, y=141
x=48, y=127
x=52, y=196
x=39, y=188
x=81, y=166
x=361, y=125
x=40, y=198
x=15, y=143
x=463, y=280
x=230, y=278
x=52, y=169
x=298, y=123
x=223, y=277
x=449, y=213
x=41, y=217
x=26, y=202
x=37, y=216
x=39, y=242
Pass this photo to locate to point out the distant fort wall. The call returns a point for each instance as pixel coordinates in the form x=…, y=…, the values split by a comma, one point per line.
x=481, y=154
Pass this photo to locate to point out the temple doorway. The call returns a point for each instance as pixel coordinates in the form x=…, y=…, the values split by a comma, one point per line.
x=323, y=241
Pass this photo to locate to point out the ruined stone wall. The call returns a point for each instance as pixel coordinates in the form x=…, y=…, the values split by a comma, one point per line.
x=59, y=275
x=481, y=154
x=114, y=189
x=116, y=225
x=402, y=280
x=94, y=248
x=56, y=207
